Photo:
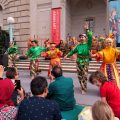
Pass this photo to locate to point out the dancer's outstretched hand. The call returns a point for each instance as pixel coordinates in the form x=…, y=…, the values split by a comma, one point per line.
x=43, y=54
x=92, y=55
x=1, y=71
x=65, y=57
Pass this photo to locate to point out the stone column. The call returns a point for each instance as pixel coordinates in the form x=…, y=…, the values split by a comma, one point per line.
x=63, y=20
x=33, y=14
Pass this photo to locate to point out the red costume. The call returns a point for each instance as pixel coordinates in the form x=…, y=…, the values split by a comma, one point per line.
x=55, y=55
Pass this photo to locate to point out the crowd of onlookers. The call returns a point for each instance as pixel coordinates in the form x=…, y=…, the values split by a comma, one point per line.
x=56, y=101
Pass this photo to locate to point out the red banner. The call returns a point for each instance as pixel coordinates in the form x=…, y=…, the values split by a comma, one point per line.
x=56, y=25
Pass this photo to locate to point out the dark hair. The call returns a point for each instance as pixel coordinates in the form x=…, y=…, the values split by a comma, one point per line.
x=35, y=41
x=56, y=71
x=97, y=76
x=38, y=85
x=53, y=43
x=11, y=72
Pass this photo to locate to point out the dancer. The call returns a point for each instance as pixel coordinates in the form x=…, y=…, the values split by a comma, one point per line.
x=34, y=53
x=12, y=55
x=108, y=55
x=82, y=50
x=55, y=54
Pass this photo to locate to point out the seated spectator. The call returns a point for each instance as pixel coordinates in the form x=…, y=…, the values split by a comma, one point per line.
x=7, y=109
x=62, y=91
x=18, y=94
x=99, y=111
x=37, y=107
x=109, y=91
x=102, y=111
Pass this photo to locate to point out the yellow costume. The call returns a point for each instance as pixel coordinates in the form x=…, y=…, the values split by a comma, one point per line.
x=55, y=58
x=108, y=67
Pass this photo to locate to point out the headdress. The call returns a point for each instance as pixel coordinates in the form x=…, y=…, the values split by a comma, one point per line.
x=53, y=43
x=82, y=35
x=111, y=35
x=110, y=38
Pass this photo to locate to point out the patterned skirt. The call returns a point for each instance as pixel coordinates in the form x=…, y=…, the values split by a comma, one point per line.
x=111, y=72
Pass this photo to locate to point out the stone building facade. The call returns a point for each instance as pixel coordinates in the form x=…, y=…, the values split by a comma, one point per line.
x=33, y=17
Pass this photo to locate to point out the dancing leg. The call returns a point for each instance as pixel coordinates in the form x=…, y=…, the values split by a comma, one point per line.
x=82, y=71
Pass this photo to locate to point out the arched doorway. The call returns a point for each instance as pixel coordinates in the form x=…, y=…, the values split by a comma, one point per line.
x=80, y=11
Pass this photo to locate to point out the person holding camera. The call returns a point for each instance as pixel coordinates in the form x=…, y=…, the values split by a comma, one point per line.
x=7, y=109
x=18, y=93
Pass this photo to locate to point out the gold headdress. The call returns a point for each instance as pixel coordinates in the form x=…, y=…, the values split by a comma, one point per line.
x=110, y=38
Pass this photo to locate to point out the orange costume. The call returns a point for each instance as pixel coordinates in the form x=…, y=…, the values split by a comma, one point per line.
x=55, y=58
x=108, y=67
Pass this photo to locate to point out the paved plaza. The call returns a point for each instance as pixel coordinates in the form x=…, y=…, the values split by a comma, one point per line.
x=88, y=99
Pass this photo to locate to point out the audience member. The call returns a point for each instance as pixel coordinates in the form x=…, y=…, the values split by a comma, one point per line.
x=18, y=94
x=37, y=107
x=99, y=111
x=102, y=111
x=109, y=91
x=62, y=90
x=7, y=109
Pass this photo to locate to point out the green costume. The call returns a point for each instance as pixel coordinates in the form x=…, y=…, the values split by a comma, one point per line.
x=12, y=52
x=82, y=61
x=34, y=53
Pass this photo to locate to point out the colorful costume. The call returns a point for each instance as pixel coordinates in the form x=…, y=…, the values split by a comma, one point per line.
x=108, y=67
x=55, y=58
x=82, y=61
x=12, y=54
x=34, y=53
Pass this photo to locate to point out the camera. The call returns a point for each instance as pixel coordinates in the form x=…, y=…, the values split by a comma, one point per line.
x=17, y=84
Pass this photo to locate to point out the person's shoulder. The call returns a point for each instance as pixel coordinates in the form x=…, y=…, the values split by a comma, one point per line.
x=109, y=84
x=25, y=102
x=51, y=103
x=7, y=80
x=68, y=78
x=53, y=83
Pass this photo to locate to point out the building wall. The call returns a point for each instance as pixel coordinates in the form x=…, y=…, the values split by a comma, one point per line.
x=33, y=17
x=19, y=9
x=68, y=18
x=44, y=19
x=84, y=9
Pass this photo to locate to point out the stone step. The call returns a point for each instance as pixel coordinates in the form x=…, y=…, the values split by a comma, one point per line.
x=67, y=65
x=64, y=69
x=64, y=66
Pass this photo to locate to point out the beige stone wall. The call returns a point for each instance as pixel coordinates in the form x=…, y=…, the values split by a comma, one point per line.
x=33, y=17
x=19, y=10
x=83, y=10
x=68, y=18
